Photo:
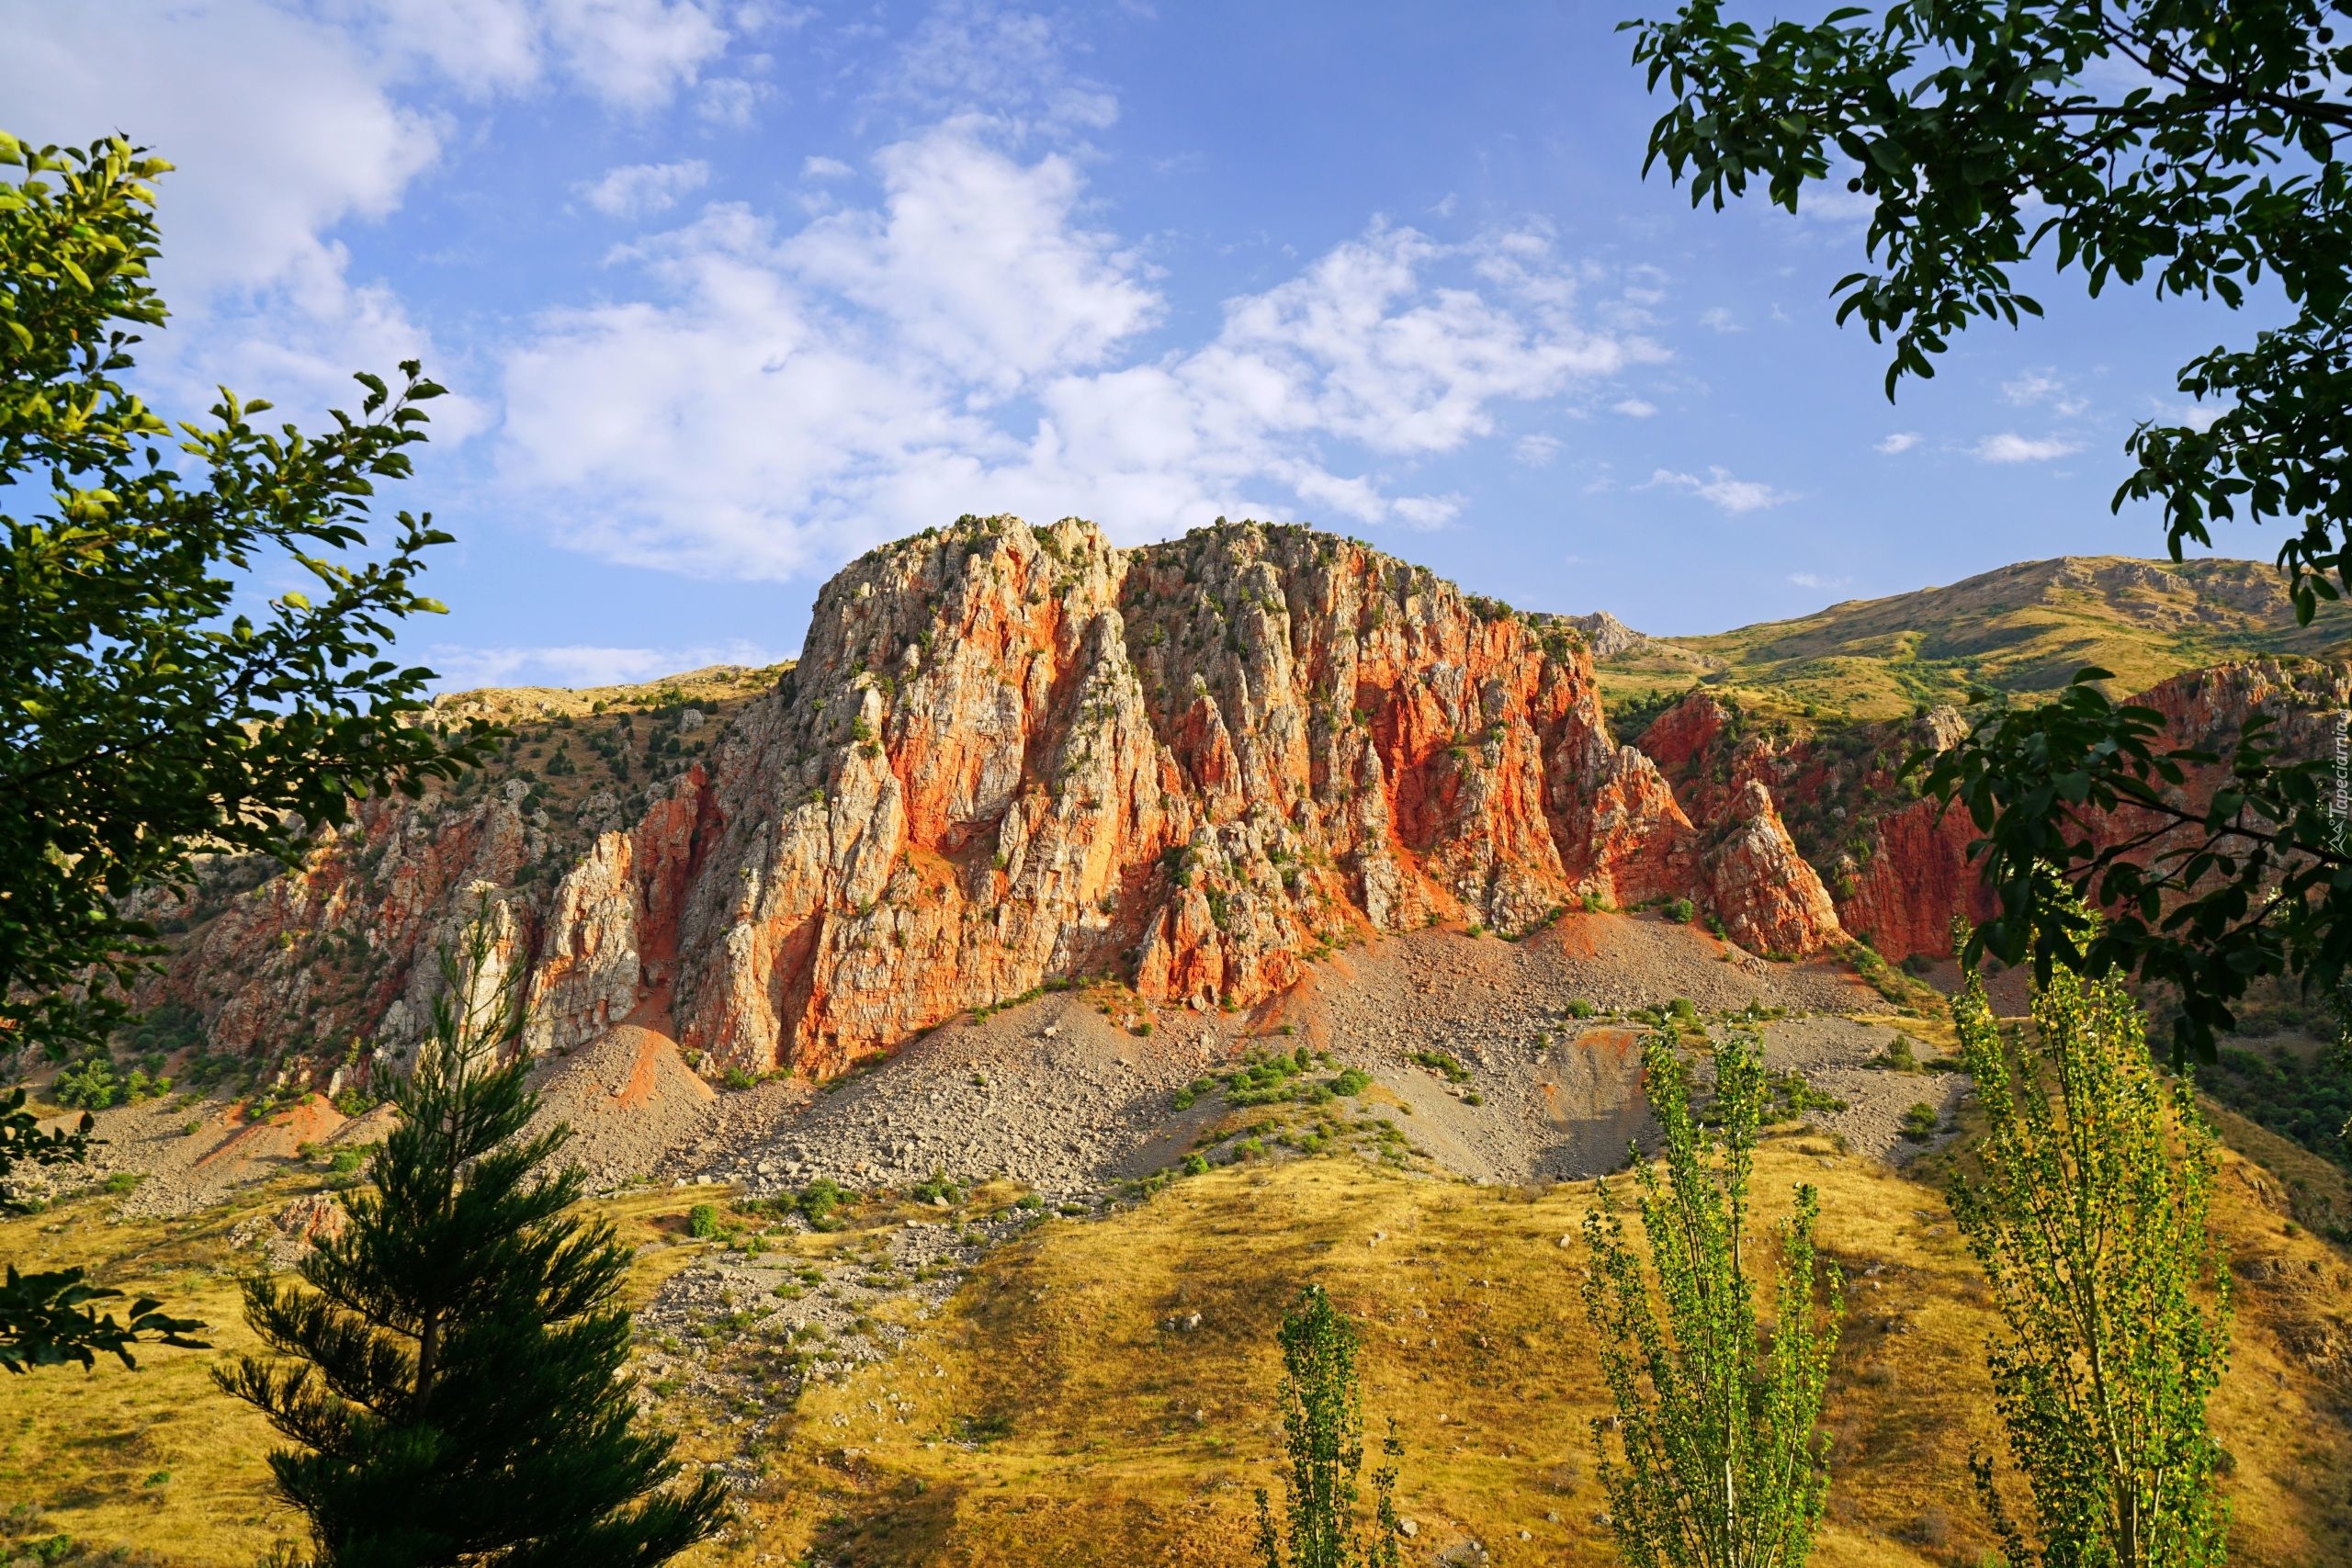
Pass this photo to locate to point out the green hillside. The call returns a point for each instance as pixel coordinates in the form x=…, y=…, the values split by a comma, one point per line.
x=2022, y=629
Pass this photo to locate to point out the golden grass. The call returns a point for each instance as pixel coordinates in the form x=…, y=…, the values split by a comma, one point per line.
x=1057, y=1410
x=1128, y=1440
x=81, y=1453
x=2023, y=629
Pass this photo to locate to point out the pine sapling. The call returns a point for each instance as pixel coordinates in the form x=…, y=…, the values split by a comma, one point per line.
x=450, y=1370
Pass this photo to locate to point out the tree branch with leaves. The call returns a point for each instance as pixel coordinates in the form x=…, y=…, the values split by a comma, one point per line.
x=153, y=705
x=450, y=1370
x=2193, y=147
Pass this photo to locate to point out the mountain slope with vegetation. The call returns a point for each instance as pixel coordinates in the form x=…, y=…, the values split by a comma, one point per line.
x=2020, y=631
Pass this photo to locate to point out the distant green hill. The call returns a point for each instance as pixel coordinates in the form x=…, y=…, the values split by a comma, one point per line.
x=2023, y=630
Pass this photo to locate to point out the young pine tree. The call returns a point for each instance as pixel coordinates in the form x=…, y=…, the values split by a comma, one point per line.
x=1323, y=1433
x=2087, y=1210
x=1716, y=1465
x=450, y=1370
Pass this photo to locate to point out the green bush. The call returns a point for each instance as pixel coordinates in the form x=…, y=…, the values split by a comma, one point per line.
x=1197, y=1164
x=1680, y=911
x=2308, y=1100
x=1441, y=1063
x=1579, y=1008
x=1789, y=1096
x=937, y=1187
x=122, y=1182
x=820, y=1201
x=88, y=1085
x=1919, y=1122
x=702, y=1221
x=1265, y=1080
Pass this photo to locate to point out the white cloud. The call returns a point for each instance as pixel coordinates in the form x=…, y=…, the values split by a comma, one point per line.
x=824, y=169
x=1900, y=441
x=2195, y=416
x=972, y=56
x=286, y=125
x=281, y=130
x=481, y=46
x=640, y=190
x=462, y=668
x=732, y=101
x=979, y=261
x=770, y=402
x=1719, y=318
x=1634, y=408
x=1720, y=489
x=1813, y=579
x=2010, y=447
x=2037, y=387
x=628, y=54
x=633, y=54
x=1535, y=451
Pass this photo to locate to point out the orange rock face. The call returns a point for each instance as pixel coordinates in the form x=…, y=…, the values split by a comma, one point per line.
x=1013, y=755
x=1899, y=868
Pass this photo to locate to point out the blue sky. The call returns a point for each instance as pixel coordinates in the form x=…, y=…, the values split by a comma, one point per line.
x=730, y=290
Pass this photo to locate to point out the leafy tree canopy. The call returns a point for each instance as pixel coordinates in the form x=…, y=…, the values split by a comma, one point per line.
x=2186, y=145
x=153, y=702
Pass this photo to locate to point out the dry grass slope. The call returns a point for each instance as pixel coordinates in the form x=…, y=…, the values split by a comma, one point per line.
x=1064, y=1408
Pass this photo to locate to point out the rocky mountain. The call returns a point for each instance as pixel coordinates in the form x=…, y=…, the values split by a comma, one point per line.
x=1015, y=758
x=1010, y=758
x=1606, y=635
x=1896, y=866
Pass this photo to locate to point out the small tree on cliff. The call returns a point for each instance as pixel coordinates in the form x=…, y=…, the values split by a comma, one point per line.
x=1715, y=1465
x=2087, y=1210
x=1323, y=1433
x=456, y=1391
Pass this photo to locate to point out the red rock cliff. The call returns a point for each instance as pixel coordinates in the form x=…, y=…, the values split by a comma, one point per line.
x=1010, y=755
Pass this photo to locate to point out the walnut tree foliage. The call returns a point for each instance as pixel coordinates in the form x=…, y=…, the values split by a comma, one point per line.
x=451, y=1369
x=2086, y=1206
x=2084, y=801
x=56, y=1317
x=1322, y=1404
x=1714, y=1461
x=2192, y=147
x=154, y=701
